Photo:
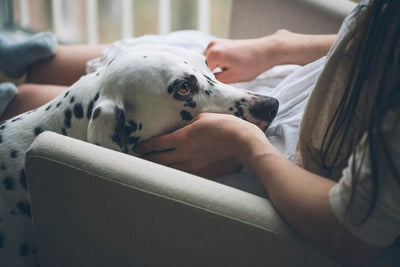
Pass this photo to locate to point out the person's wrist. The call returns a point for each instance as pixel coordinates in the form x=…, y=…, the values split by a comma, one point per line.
x=275, y=49
x=258, y=155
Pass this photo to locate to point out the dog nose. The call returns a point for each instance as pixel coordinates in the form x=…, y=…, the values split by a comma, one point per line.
x=266, y=109
x=273, y=112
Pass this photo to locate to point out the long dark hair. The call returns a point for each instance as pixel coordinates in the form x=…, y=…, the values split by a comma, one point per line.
x=374, y=78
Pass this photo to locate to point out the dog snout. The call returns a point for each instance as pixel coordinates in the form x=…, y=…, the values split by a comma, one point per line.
x=265, y=109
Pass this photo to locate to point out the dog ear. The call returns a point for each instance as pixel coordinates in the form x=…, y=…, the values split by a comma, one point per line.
x=106, y=126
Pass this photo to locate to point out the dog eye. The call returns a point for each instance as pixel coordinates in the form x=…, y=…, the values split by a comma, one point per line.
x=184, y=89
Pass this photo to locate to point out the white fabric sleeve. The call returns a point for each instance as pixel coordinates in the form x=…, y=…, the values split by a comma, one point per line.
x=383, y=225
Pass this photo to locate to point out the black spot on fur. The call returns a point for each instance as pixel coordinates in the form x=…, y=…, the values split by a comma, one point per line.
x=8, y=183
x=119, y=131
x=185, y=62
x=172, y=86
x=208, y=92
x=66, y=94
x=210, y=83
x=140, y=126
x=97, y=74
x=209, y=80
x=231, y=108
x=206, y=63
x=239, y=113
x=239, y=110
x=24, y=249
x=64, y=131
x=133, y=124
x=22, y=180
x=24, y=208
x=144, y=56
x=96, y=113
x=16, y=119
x=3, y=126
x=67, y=118
x=185, y=115
x=1, y=139
x=90, y=109
x=37, y=131
x=133, y=140
x=1, y=240
x=14, y=154
x=109, y=63
x=190, y=103
x=72, y=99
x=96, y=97
x=170, y=89
x=3, y=167
x=48, y=107
x=58, y=104
x=128, y=130
x=132, y=127
x=243, y=100
x=78, y=110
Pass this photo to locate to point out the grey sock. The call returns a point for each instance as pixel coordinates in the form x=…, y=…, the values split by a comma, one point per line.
x=7, y=93
x=15, y=58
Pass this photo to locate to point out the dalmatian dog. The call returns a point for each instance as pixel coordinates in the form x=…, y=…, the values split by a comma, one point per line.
x=142, y=92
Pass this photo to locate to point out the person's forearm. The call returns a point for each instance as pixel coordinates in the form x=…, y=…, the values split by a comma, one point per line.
x=302, y=198
x=294, y=48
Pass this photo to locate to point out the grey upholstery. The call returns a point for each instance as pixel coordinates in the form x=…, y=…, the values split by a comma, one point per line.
x=96, y=207
x=93, y=206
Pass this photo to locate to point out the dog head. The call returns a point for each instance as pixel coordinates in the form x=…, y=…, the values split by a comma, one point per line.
x=153, y=90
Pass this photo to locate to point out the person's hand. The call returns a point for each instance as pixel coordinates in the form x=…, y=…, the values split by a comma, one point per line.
x=212, y=145
x=244, y=60
x=239, y=60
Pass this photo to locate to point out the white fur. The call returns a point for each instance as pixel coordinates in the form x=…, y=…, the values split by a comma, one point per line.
x=136, y=82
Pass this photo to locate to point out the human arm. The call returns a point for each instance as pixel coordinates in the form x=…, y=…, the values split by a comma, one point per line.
x=301, y=197
x=243, y=60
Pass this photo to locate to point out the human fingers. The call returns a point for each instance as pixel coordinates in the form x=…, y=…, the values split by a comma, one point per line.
x=207, y=170
x=215, y=55
x=156, y=144
x=167, y=157
x=227, y=76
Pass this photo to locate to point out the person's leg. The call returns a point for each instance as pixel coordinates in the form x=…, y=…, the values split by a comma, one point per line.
x=66, y=67
x=31, y=96
x=15, y=57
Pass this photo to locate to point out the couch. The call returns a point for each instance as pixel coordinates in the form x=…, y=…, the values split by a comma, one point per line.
x=96, y=207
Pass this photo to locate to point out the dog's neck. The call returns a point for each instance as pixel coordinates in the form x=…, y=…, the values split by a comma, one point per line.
x=67, y=114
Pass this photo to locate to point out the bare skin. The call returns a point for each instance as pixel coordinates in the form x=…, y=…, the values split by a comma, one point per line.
x=46, y=79
x=292, y=190
x=300, y=196
x=244, y=60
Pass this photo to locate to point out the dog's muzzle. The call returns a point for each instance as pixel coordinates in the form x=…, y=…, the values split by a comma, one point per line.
x=264, y=111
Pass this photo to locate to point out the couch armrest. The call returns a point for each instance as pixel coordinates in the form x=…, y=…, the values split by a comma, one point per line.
x=96, y=207
x=255, y=18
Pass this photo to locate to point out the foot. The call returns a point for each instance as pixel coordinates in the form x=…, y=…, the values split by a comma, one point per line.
x=15, y=58
x=7, y=93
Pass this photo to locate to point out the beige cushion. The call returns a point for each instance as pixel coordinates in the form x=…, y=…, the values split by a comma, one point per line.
x=96, y=207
